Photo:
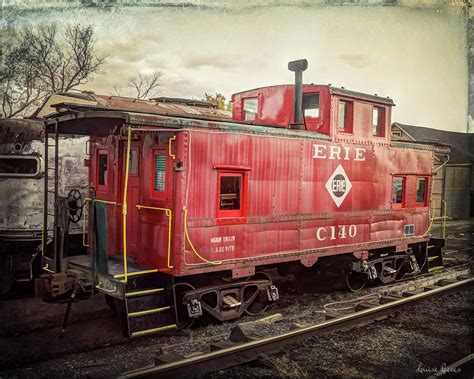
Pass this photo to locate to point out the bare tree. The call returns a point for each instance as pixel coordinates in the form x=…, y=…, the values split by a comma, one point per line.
x=39, y=61
x=141, y=86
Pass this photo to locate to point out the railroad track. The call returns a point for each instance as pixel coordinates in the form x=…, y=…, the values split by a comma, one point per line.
x=227, y=353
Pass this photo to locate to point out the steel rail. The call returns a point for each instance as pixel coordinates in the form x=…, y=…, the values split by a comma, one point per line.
x=249, y=351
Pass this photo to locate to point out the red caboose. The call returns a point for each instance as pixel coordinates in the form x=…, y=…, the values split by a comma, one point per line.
x=188, y=207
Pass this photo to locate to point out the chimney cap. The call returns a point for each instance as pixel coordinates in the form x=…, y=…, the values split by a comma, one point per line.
x=298, y=65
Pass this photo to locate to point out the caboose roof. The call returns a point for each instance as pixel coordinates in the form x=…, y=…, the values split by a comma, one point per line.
x=107, y=122
x=332, y=90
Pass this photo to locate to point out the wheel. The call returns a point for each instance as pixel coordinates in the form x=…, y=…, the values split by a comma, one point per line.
x=355, y=281
x=184, y=321
x=257, y=307
x=75, y=203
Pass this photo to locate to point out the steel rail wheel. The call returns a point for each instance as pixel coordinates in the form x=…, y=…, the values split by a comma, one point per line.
x=355, y=281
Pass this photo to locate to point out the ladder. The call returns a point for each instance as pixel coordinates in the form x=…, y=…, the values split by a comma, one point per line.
x=150, y=309
x=50, y=263
x=435, y=254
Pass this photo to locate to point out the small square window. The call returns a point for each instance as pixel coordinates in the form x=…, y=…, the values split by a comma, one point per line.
x=102, y=180
x=398, y=190
x=311, y=105
x=421, y=186
x=344, y=116
x=230, y=192
x=133, y=162
x=250, y=109
x=377, y=122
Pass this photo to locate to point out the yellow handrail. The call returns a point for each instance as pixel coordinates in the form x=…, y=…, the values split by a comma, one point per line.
x=124, y=206
x=169, y=147
x=191, y=244
x=443, y=218
x=169, y=213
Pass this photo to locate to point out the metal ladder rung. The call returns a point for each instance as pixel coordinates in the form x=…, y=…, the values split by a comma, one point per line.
x=148, y=312
x=144, y=292
x=154, y=330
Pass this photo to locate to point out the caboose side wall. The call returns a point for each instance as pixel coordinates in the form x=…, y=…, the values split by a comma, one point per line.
x=289, y=210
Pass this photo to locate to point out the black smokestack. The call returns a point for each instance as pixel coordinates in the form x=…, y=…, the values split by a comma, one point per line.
x=298, y=67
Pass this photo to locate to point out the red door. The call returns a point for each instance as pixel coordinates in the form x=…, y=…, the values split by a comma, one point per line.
x=133, y=198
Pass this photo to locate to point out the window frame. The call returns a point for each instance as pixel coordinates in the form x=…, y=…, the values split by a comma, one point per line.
x=232, y=216
x=22, y=175
x=380, y=121
x=404, y=187
x=348, y=116
x=307, y=94
x=154, y=193
x=425, y=193
x=243, y=108
x=103, y=187
x=132, y=150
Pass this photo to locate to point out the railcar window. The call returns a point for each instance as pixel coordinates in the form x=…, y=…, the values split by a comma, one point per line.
x=102, y=169
x=344, y=116
x=397, y=190
x=377, y=121
x=160, y=173
x=133, y=162
x=421, y=185
x=250, y=109
x=19, y=166
x=311, y=105
x=230, y=192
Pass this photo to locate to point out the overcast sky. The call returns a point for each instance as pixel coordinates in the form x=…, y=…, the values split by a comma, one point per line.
x=415, y=56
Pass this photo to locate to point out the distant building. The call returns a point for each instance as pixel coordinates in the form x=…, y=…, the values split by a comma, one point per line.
x=454, y=179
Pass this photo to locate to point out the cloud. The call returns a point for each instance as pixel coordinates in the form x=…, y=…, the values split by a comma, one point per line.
x=418, y=57
x=356, y=60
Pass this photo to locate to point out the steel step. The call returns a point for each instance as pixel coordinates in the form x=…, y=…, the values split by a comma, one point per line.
x=150, y=309
x=144, y=292
x=148, y=312
x=151, y=331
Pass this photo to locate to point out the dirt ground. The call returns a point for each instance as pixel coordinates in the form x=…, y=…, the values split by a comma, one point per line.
x=408, y=345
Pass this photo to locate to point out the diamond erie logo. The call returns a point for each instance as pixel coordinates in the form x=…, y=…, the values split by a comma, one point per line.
x=338, y=185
